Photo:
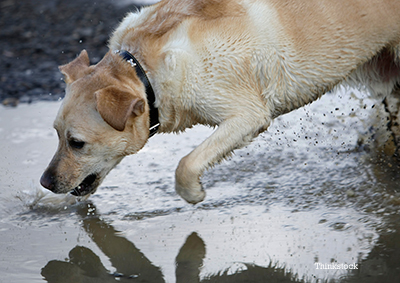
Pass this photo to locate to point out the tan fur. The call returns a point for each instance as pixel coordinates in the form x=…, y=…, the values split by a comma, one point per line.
x=235, y=64
x=116, y=105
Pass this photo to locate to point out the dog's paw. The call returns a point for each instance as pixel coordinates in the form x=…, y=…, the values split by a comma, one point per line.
x=191, y=195
x=187, y=181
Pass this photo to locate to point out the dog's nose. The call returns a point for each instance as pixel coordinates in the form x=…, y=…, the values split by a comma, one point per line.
x=47, y=181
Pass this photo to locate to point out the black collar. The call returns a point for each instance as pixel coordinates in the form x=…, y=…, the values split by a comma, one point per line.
x=151, y=98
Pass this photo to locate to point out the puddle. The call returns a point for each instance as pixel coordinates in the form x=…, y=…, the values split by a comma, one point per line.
x=297, y=205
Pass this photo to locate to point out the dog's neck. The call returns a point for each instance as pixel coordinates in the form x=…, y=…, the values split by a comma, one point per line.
x=151, y=98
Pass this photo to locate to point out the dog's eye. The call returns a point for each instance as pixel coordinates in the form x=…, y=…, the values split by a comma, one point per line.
x=76, y=144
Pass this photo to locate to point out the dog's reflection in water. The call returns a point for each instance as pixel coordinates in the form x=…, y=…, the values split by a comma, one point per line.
x=85, y=266
x=131, y=265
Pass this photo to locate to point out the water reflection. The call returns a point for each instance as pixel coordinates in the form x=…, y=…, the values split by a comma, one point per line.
x=85, y=266
x=132, y=265
x=190, y=259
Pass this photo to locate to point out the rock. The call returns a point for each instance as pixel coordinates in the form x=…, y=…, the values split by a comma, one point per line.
x=10, y=102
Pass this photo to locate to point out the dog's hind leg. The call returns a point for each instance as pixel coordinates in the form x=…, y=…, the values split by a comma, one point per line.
x=232, y=134
x=392, y=108
x=388, y=69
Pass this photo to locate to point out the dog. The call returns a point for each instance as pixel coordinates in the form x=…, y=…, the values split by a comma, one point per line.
x=230, y=64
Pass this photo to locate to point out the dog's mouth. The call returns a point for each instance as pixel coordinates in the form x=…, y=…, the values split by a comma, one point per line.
x=86, y=187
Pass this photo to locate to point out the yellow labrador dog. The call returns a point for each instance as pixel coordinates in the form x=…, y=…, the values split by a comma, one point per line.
x=234, y=64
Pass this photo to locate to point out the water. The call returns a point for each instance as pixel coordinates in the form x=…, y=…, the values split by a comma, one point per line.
x=298, y=198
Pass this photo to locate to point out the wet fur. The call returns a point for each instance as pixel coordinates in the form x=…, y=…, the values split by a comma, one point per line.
x=234, y=64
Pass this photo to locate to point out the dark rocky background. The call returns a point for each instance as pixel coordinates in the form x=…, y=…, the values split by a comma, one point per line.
x=36, y=36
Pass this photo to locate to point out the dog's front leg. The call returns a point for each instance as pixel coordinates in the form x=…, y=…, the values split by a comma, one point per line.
x=230, y=135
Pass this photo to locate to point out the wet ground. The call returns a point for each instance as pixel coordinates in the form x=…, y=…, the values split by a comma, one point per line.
x=303, y=203
x=300, y=204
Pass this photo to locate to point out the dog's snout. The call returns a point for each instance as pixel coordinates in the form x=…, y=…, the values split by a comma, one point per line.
x=48, y=181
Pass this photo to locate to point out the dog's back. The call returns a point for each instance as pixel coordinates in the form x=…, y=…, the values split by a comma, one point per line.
x=289, y=52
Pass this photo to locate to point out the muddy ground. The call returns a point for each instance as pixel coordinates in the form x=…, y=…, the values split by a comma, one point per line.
x=37, y=36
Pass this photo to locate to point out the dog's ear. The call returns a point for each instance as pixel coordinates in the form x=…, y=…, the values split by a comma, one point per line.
x=75, y=69
x=116, y=105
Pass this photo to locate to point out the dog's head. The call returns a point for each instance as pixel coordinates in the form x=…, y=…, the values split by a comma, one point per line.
x=103, y=117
